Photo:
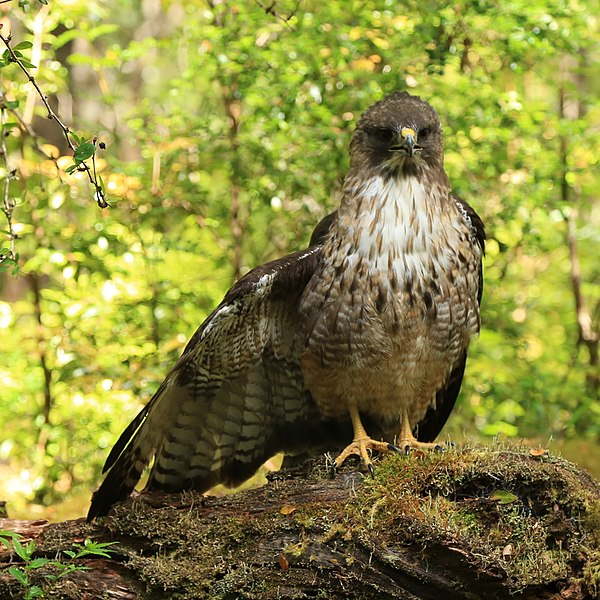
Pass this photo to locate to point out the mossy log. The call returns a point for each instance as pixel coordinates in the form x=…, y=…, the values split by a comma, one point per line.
x=470, y=523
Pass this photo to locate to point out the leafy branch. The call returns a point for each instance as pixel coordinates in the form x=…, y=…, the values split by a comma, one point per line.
x=82, y=150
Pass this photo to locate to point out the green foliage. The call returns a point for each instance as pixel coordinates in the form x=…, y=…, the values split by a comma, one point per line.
x=226, y=131
x=32, y=566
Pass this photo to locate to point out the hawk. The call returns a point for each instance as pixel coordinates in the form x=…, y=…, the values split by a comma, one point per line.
x=366, y=330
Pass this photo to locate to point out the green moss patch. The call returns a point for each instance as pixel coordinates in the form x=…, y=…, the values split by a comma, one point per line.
x=499, y=517
x=532, y=520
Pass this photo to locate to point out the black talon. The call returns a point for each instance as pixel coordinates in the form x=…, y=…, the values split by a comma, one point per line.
x=407, y=450
x=371, y=470
x=393, y=448
x=439, y=449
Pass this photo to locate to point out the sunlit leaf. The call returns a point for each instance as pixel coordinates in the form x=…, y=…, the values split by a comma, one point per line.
x=503, y=497
x=22, y=45
x=84, y=151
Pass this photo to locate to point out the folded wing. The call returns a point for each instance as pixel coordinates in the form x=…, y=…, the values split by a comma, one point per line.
x=235, y=397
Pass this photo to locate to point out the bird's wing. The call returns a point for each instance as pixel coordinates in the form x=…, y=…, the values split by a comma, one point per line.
x=321, y=231
x=235, y=397
x=435, y=418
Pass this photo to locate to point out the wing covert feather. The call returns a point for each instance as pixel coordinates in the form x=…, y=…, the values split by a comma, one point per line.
x=216, y=416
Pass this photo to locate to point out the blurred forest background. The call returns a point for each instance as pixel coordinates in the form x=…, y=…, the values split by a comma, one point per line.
x=220, y=133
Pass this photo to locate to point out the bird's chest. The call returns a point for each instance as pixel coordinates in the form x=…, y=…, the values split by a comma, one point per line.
x=395, y=302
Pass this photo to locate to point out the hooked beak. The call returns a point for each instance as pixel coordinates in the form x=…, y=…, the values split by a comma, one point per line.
x=408, y=142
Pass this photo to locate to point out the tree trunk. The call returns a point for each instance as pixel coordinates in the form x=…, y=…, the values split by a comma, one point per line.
x=475, y=523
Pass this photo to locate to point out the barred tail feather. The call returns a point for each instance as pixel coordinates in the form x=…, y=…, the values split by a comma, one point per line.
x=122, y=477
x=124, y=438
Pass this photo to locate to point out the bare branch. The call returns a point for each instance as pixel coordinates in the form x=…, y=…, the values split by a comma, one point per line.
x=8, y=202
x=584, y=318
x=588, y=335
x=270, y=9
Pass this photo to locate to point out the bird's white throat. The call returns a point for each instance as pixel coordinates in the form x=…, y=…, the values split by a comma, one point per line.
x=395, y=224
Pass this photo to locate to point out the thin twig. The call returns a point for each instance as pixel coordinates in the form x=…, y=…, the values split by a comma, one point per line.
x=270, y=10
x=9, y=203
x=99, y=192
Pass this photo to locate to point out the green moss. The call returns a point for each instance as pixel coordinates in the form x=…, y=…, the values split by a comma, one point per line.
x=543, y=526
x=188, y=556
x=533, y=533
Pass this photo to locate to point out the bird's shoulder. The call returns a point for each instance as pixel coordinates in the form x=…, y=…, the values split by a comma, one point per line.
x=472, y=219
x=270, y=290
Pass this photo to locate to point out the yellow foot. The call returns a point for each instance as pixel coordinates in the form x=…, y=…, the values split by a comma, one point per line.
x=408, y=444
x=406, y=441
x=361, y=447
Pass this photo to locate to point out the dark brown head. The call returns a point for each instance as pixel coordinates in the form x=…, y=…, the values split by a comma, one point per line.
x=397, y=136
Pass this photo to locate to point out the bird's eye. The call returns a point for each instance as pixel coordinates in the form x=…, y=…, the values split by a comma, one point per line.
x=424, y=133
x=384, y=135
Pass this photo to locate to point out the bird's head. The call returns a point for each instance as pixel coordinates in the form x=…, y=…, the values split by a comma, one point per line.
x=398, y=136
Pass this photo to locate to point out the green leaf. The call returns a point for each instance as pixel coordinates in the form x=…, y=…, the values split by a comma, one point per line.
x=5, y=532
x=84, y=151
x=44, y=2
x=10, y=125
x=12, y=104
x=65, y=37
x=503, y=497
x=96, y=548
x=27, y=64
x=19, y=575
x=22, y=551
x=3, y=540
x=36, y=563
x=34, y=592
x=22, y=46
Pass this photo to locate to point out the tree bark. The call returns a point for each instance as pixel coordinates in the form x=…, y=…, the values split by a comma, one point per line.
x=475, y=523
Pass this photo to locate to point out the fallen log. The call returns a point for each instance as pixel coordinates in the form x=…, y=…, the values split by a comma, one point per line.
x=466, y=524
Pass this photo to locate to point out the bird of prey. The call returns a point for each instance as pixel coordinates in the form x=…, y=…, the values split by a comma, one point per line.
x=362, y=337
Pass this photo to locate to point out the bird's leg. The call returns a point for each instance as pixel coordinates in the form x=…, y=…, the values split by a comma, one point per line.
x=406, y=440
x=362, y=443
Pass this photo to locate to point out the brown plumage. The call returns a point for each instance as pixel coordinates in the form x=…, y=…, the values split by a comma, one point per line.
x=366, y=329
